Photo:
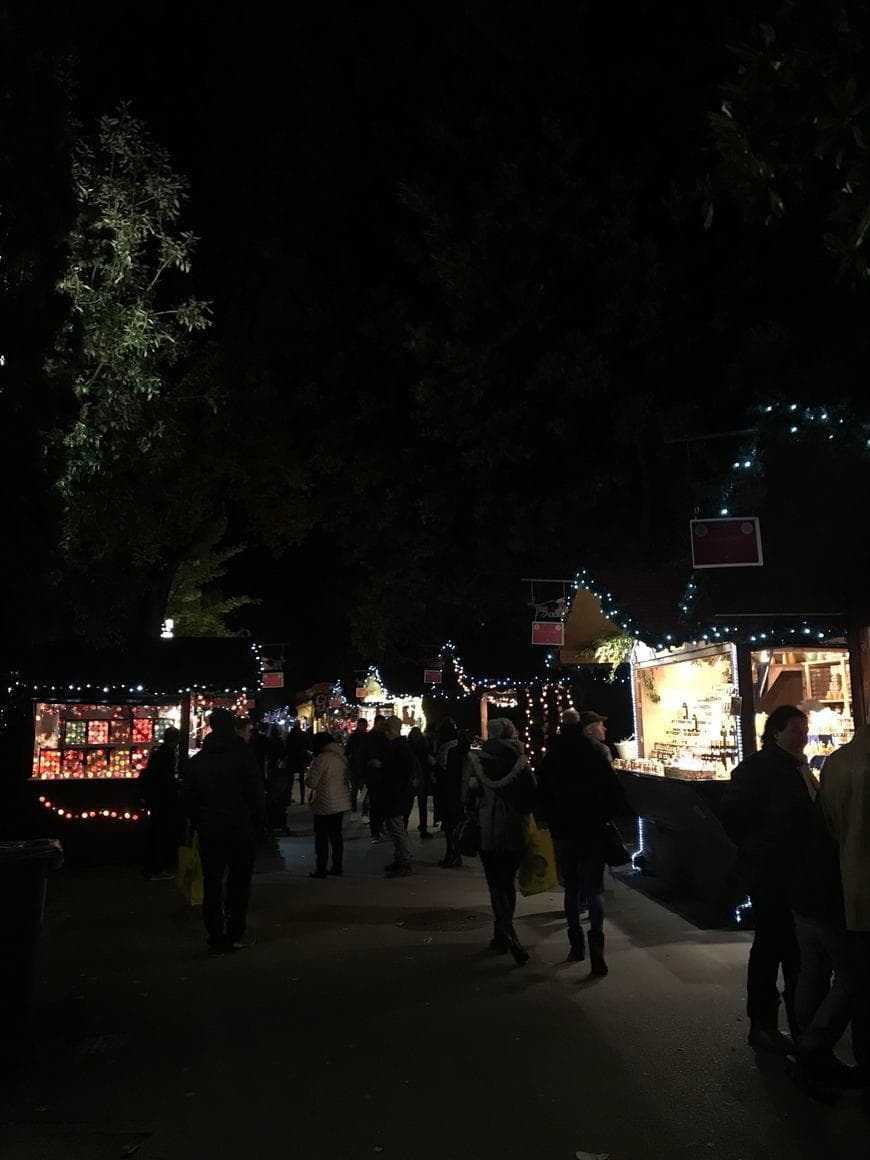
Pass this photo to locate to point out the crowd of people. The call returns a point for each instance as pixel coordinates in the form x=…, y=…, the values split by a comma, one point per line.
x=803, y=844
x=242, y=782
x=804, y=858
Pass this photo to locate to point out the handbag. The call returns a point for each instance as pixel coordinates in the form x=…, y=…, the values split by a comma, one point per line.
x=615, y=853
x=468, y=835
x=188, y=877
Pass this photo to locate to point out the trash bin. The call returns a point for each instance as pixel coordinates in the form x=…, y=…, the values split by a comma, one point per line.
x=24, y=868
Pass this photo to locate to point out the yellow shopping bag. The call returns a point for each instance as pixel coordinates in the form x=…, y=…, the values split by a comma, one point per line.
x=538, y=867
x=188, y=877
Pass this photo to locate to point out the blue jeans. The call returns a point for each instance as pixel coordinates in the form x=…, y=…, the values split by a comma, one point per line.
x=823, y=1007
x=582, y=867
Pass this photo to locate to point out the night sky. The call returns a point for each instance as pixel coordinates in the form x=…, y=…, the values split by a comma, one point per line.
x=311, y=137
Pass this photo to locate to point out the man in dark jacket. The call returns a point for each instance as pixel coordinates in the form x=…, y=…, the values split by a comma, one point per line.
x=373, y=751
x=225, y=801
x=356, y=759
x=394, y=795
x=158, y=790
x=765, y=812
x=580, y=794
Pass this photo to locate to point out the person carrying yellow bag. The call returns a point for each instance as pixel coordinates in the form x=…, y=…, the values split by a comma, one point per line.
x=499, y=786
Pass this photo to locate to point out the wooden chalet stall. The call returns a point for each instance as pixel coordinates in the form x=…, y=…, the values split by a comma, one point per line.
x=95, y=720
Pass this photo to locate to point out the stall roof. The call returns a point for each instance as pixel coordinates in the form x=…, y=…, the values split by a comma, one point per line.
x=644, y=602
x=161, y=666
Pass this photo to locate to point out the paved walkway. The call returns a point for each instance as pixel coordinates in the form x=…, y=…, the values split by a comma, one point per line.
x=370, y=1021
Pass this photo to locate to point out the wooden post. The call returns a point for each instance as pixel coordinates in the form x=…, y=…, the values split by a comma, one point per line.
x=859, y=673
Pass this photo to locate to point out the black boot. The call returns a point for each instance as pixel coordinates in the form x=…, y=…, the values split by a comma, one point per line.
x=596, y=952
x=519, y=952
x=577, y=953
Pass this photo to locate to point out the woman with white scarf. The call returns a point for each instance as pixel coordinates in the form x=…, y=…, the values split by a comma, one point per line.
x=500, y=787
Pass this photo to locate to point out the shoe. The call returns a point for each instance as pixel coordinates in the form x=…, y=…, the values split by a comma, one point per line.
x=314, y=874
x=216, y=949
x=163, y=876
x=769, y=1039
x=596, y=953
x=244, y=943
x=390, y=867
x=828, y=1072
x=518, y=951
x=426, y=836
x=499, y=945
x=335, y=873
x=577, y=951
x=377, y=838
x=400, y=872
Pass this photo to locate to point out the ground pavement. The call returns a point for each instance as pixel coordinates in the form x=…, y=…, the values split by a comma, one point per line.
x=370, y=1021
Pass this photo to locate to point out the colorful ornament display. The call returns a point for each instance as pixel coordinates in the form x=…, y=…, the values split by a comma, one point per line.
x=73, y=762
x=49, y=763
x=120, y=732
x=143, y=730
x=98, y=732
x=75, y=732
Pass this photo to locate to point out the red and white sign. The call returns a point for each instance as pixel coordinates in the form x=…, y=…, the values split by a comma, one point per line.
x=727, y=543
x=432, y=676
x=548, y=632
x=273, y=680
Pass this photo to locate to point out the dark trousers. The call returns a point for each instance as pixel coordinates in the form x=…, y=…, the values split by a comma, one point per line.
x=582, y=869
x=423, y=810
x=227, y=868
x=327, y=833
x=822, y=1004
x=158, y=840
x=856, y=976
x=450, y=833
x=501, y=868
x=376, y=818
x=775, y=945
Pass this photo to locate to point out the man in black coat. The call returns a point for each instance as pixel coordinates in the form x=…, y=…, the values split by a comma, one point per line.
x=394, y=795
x=580, y=794
x=766, y=812
x=225, y=801
x=158, y=790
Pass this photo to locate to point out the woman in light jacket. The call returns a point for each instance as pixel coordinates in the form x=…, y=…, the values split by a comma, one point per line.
x=501, y=787
x=329, y=781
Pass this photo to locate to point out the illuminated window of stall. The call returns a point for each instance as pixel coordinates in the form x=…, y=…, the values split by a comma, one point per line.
x=94, y=742
x=817, y=681
x=688, y=715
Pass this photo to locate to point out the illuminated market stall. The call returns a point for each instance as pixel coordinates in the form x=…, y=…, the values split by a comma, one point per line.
x=374, y=698
x=699, y=705
x=92, y=737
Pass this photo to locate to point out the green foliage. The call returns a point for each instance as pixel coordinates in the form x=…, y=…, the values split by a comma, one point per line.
x=613, y=650
x=196, y=603
x=129, y=327
x=794, y=124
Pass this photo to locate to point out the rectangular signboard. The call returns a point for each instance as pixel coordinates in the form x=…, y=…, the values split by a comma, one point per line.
x=726, y=543
x=273, y=680
x=432, y=676
x=548, y=632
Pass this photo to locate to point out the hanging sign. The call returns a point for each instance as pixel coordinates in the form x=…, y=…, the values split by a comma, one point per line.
x=360, y=692
x=726, y=543
x=548, y=632
x=432, y=676
x=273, y=680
